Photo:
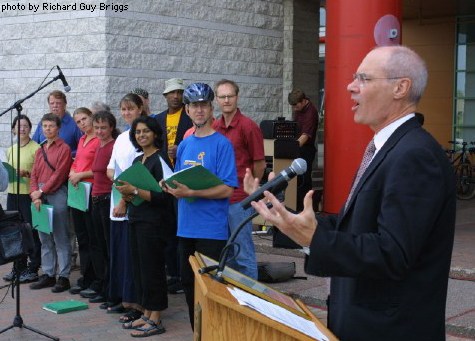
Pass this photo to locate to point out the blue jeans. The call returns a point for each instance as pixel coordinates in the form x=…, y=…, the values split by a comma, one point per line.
x=245, y=261
x=55, y=247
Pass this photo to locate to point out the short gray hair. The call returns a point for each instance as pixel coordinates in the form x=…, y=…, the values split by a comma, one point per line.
x=404, y=62
x=99, y=106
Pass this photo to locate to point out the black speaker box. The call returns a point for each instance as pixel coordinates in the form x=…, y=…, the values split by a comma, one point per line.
x=281, y=240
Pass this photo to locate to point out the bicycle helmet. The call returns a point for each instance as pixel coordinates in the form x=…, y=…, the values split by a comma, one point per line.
x=198, y=92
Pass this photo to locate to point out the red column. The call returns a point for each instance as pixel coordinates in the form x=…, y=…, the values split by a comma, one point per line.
x=350, y=35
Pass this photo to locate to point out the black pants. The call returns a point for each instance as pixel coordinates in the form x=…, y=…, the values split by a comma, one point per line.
x=24, y=202
x=85, y=229
x=147, y=248
x=101, y=255
x=304, y=182
x=187, y=247
x=171, y=252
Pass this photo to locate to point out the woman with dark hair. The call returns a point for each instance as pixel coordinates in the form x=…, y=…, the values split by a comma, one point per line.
x=121, y=284
x=151, y=225
x=28, y=147
x=104, y=124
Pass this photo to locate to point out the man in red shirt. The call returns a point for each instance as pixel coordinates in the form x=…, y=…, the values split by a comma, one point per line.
x=305, y=113
x=248, y=144
x=48, y=186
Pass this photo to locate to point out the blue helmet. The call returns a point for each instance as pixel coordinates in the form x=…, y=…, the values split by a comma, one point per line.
x=198, y=92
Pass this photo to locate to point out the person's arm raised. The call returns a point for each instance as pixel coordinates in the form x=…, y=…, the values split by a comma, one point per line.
x=299, y=227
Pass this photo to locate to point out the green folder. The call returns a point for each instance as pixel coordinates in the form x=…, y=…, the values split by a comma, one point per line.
x=78, y=197
x=12, y=174
x=196, y=178
x=67, y=306
x=42, y=219
x=116, y=196
x=139, y=176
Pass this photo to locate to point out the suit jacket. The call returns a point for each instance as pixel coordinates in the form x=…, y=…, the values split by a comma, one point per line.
x=389, y=253
x=184, y=124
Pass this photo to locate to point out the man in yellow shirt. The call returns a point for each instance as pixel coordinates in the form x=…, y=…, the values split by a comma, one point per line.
x=174, y=123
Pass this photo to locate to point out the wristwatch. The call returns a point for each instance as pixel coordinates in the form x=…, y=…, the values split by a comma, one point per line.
x=136, y=191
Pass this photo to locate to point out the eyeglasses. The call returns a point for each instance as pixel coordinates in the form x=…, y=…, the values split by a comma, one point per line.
x=228, y=97
x=362, y=78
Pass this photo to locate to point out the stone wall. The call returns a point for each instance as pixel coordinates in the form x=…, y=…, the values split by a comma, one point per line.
x=106, y=53
x=107, y=48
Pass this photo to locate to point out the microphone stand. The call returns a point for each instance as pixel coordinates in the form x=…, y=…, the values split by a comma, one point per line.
x=18, y=320
x=224, y=253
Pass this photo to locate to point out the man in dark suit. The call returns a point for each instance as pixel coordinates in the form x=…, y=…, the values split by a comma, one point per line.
x=388, y=251
x=174, y=123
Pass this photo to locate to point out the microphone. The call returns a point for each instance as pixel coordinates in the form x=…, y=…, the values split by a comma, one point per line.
x=67, y=88
x=298, y=167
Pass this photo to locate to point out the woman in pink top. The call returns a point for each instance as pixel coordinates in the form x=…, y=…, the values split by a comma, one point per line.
x=83, y=224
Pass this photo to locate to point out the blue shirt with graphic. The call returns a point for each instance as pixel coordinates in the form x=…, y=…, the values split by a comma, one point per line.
x=206, y=218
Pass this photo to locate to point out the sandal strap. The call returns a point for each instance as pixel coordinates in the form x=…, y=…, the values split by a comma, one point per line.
x=153, y=323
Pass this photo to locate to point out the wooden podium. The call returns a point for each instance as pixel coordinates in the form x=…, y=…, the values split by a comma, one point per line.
x=218, y=315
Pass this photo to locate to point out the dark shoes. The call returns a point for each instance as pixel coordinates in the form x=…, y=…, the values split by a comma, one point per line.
x=88, y=293
x=75, y=290
x=97, y=299
x=9, y=276
x=43, y=282
x=61, y=285
x=29, y=275
x=26, y=276
x=116, y=309
x=107, y=305
x=174, y=286
x=130, y=316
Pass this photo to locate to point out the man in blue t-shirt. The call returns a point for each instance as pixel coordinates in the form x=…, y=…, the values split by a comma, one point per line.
x=203, y=221
x=69, y=131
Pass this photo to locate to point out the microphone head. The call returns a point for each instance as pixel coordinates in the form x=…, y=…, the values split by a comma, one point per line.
x=299, y=166
x=67, y=88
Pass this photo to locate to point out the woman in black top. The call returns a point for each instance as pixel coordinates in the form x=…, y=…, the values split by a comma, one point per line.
x=151, y=224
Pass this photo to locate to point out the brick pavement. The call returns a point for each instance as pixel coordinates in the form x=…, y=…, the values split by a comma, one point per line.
x=90, y=324
x=95, y=324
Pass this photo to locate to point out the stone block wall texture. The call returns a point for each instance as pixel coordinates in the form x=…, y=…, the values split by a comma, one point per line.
x=107, y=48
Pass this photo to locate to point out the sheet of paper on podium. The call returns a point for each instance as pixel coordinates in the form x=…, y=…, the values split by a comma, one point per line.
x=43, y=219
x=278, y=313
x=139, y=176
x=12, y=174
x=78, y=196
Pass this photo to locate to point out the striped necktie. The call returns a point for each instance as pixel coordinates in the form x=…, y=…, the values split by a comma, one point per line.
x=367, y=157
